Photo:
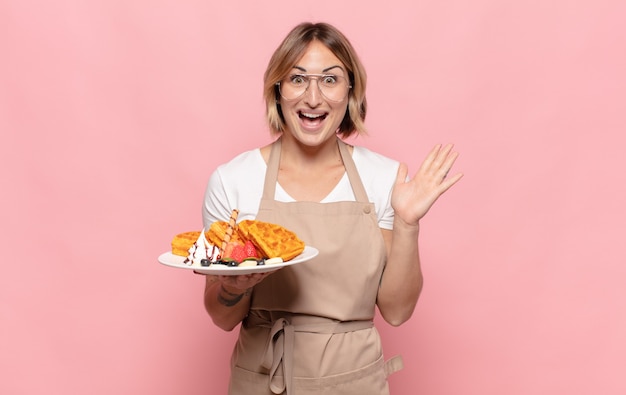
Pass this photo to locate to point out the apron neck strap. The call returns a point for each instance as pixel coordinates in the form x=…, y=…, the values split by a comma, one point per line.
x=353, y=175
x=271, y=174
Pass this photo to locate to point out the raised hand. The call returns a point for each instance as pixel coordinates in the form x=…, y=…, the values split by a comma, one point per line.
x=412, y=199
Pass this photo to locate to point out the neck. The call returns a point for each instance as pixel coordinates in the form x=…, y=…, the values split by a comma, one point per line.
x=294, y=153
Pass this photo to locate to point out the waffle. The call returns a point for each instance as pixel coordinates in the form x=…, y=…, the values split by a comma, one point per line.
x=217, y=234
x=270, y=239
x=182, y=242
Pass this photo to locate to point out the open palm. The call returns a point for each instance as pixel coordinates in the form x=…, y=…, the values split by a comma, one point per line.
x=411, y=199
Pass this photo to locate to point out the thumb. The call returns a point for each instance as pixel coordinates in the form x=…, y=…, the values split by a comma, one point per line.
x=403, y=170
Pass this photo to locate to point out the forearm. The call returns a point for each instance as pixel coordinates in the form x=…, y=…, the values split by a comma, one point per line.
x=402, y=279
x=226, y=305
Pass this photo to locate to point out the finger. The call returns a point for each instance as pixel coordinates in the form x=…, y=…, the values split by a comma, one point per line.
x=449, y=182
x=446, y=166
x=430, y=158
x=403, y=170
x=442, y=156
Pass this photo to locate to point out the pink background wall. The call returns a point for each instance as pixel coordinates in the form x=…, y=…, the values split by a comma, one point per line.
x=114, y=113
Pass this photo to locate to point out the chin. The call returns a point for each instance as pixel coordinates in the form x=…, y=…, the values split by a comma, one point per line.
x=313, y=138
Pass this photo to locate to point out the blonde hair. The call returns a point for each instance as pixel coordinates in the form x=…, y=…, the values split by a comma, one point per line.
x=291, y=50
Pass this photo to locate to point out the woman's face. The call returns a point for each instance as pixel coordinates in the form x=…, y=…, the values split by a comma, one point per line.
x=313, y=118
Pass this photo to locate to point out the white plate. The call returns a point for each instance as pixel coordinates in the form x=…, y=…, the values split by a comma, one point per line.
x=172, y=260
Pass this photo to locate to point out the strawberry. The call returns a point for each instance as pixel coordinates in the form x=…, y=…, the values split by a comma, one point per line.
x=238, y=254
x=250, y=250
x=228, y=250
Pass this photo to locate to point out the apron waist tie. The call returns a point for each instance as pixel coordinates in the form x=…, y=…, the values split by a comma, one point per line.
x=279, y=354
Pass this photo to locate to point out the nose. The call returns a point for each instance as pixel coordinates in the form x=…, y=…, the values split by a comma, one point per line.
x=313, y=94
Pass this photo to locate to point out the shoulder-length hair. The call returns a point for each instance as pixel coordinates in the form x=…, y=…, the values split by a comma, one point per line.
x=287, y=55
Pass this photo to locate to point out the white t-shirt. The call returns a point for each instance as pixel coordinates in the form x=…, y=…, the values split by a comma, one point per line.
x=239, y=184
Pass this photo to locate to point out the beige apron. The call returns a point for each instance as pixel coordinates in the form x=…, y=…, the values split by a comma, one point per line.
x=310, y=328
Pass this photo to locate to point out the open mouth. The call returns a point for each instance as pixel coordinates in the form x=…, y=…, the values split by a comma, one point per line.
x=312, y=118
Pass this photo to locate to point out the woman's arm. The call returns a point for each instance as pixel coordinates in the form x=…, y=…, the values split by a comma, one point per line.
x=402, y=279
x=227, y=298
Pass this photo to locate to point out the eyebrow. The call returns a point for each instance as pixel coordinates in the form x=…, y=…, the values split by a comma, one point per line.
x=323, y=71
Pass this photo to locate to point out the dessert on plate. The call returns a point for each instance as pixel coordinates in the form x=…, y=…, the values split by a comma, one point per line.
x=248, y=243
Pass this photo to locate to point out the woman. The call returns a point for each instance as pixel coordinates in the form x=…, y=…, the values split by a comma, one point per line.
x=307, y=328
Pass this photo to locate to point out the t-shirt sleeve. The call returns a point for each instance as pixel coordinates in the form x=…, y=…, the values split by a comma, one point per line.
x=215, y=206
x=378, y=174
x=385, y=220
x=236, y=184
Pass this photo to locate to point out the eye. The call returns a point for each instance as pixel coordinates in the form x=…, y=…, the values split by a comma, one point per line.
x=329, y=80
x=297, y=79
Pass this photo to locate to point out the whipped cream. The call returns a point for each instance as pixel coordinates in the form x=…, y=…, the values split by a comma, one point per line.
x=200, y=250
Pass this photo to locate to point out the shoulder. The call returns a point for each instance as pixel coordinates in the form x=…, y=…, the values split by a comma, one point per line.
x=374, y=165
x=366, y=155
x=242, y=163
x=248, y=165
x=243, y=173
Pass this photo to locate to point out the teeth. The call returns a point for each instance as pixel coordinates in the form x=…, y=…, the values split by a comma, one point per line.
x=312, y=116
